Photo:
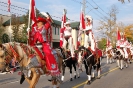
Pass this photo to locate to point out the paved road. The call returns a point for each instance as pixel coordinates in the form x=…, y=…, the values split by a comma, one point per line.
x=112, y=77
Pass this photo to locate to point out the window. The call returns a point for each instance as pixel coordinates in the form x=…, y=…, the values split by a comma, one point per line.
x=55, y=30
x=58, y=30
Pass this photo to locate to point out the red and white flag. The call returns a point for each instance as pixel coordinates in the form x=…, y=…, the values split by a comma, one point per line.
x=108, y=42
x=118, y=35
x=63, y=18
x=32, y=17
x=62, y=27
x=82, y=27
x=82, y=21
x=9, y=3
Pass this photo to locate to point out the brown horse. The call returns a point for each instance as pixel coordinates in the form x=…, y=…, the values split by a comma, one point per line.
x=22, y=54
x=110, y=56
x=129, y=55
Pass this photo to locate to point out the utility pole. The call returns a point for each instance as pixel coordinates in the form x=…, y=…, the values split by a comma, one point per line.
x=84, y=6
x=83, y=34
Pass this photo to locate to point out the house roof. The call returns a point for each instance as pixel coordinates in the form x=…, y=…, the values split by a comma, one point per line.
x=20, y=20
x=75, y=25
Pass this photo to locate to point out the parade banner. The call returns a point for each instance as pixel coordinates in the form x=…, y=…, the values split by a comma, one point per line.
x=9, y=3
x=81, y=35
x=32, y=17
x=62, y=27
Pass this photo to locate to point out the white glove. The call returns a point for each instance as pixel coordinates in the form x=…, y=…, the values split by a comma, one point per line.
x=28, y=29
x=45, y=14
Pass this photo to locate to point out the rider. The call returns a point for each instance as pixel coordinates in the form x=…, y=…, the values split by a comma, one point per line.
x=89, y=35
x=41, y=38
x=68, y=41
x=109, y=47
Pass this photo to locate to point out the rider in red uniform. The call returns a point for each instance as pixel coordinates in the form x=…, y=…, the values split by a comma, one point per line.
x=41, y=32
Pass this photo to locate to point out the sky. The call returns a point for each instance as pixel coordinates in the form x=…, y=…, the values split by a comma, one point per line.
x=73, y=7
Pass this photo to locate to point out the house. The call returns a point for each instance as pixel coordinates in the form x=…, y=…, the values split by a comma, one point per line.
x=56, y=25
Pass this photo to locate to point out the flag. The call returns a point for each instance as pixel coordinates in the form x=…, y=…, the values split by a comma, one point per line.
x=82, y=21
x=9, y=3
x=82, y=27
x=118, y=34
x=32, y=17
x=108, y=42
x=62, y=27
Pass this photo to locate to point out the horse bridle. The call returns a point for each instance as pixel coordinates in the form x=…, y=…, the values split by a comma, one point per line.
x=5, y=51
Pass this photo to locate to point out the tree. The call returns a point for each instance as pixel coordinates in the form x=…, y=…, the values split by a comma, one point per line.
x=1, y=29
x=5, y=38
x=102, y=43
x=108, y=24
x=123, y=1
x=128, y=30
x=15, y=27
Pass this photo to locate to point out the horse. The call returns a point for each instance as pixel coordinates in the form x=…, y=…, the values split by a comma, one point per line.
x=69, y=62
x=32, y=66
x=90, y=61
x=109, y=54
x=129, y=55
x=120, y=57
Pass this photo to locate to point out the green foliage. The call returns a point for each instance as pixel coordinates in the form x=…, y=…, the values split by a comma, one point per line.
x=1, y=30
x=102, y=44
x=5, y=38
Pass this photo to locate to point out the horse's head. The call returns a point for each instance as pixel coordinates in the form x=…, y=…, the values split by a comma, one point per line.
x=3, y=58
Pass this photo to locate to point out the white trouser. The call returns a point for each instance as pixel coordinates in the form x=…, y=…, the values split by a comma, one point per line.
x=125, y=52
x=93, y=44
x=86, y=41
x=70, y=46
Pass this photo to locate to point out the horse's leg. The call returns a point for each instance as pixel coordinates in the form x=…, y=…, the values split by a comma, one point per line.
x=55, y=82
x=100, y=60
x=118, y=63
x=99, y=69
x=121, y=61
x=75, y=73
x=77, y=70
x=63, y=72
x=89, y=74
x=70, y=72
x=92, y=73
x=35, y=79
x=107, y=59
x=126, y=62
x=80, y=67
x=111, y=60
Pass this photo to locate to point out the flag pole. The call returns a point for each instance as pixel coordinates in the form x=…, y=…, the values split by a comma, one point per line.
x=28, y=29
x=10, y=26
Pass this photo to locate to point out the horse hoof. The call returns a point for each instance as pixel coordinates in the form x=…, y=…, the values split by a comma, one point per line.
x=71, y=79
x=93, y=78
x=75, y=77
x=88, y=82
x=49, y=80
x=98, y=77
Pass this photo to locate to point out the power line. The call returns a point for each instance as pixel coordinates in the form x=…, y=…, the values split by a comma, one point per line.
x=94, y=7
x=99, y=7
x=14, y=5
x=11, y=12
x=14, y=8
x=27, y=9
